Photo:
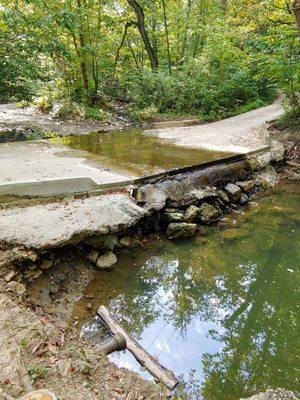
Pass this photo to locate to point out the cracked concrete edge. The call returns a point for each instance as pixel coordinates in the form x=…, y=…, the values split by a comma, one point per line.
x=128, y=184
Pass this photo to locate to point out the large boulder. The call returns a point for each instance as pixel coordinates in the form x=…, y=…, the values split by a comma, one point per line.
x=178, y=230
x=233, y=191
x=106, y=260
x=208, y=213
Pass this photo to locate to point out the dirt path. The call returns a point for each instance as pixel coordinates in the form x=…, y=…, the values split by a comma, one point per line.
x=240, y=134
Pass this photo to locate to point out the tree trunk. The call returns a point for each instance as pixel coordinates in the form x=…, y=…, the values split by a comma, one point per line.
x=83, y=63
x=185, y=37
x=167, y=35
x=143, y=32
x=296, y=9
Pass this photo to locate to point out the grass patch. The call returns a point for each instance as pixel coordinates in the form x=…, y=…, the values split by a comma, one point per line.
x=96, y=113
x=37, y=372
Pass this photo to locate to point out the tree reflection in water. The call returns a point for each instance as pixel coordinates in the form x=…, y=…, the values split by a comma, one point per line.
x=228, y=299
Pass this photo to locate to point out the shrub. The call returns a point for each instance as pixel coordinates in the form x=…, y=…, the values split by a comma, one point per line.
x=96, y=113
x=68, y=110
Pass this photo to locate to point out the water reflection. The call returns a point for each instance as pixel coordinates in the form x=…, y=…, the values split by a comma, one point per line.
x=221, y=310
x=138, y=153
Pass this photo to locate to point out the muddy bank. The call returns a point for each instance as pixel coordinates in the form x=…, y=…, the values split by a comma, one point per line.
x=28, y=123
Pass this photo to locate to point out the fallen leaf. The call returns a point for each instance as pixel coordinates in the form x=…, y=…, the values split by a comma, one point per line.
x=52, y=348
x=119, y=390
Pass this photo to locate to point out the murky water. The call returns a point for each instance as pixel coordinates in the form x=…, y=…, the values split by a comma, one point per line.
x=221, y=310
x=137, y=152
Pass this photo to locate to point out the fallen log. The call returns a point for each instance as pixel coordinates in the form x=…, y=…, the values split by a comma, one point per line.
x=115, y=343
x=159, y=372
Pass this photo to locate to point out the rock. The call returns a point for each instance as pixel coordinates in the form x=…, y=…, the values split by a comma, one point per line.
x=244, y=198
x=208, y=213
x=107, y=242
x=233, y=191
x=53, y=288
x=151, y=197
x=93, y=256
x=267, y=178
x=17, y=287
x=129, y=242
x=177, y=230
x=191, y=213
x=106, y=261
x=277, y=151
x=260, y=161
x=223, y=196
x=110, y=241
x=46, y=264
x=203, y=194
x=10, y=276
x=64, y=367
x=274, y=394
x=246, y=186
x=26, y=254
x=42, y=394
x=173, y=216
x=36, y=274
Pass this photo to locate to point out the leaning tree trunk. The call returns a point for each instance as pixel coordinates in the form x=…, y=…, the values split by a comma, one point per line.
x=143, y=32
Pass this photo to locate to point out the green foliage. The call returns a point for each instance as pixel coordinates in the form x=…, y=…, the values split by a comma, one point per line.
x=141, y=114
x=68, y=110
x=96, y=113
x=215, y=59
x=37, y=372
x=290, y=120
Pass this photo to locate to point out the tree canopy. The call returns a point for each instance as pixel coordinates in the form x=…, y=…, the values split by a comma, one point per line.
x=211, y=58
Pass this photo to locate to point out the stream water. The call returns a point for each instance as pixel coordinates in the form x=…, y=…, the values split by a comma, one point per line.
x=137, y=152
x=221, y=310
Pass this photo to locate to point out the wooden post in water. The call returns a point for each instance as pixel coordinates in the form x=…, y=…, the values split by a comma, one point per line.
x=159, y=372
x=115, y=343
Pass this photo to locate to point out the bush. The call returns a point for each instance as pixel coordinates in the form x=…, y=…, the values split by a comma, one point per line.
x=208, y=91
x=69, y=110
x=141, y=115
x=96, y=113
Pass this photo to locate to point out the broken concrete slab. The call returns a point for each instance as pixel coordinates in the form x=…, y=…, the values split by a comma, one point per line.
x=61, y=223
x=40, y=161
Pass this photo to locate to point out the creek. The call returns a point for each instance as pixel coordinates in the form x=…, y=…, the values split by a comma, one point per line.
x=221, y=310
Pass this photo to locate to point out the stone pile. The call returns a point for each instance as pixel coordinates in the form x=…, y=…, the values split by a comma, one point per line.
x=203, y=207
